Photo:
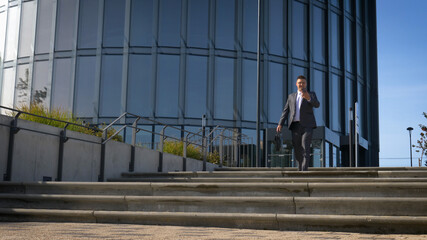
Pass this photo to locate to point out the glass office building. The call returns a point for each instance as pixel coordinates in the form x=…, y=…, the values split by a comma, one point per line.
x=176, y=60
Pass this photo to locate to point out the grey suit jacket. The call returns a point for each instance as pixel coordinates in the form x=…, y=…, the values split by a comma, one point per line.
x=306, y=112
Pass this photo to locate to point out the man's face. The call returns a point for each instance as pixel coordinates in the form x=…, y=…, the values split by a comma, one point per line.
x=301, y=84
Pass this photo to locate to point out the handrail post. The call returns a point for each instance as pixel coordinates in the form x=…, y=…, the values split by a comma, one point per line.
x=162, y=141
x=184, y=153
x=102, y=165
x=221, y=150
x=62, y=139
x=12, y=131
x=132, y=147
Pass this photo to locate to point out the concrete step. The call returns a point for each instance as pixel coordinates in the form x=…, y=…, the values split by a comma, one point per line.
x=262, y=179
x=238, y=169
x=289, y=205
x=300, y=189
x=301, y=222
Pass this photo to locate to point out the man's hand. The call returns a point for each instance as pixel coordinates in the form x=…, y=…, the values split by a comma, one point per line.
x=306, y=96
x=279, y=128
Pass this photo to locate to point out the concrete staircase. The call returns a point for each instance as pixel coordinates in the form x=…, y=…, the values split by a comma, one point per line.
x=380, y=200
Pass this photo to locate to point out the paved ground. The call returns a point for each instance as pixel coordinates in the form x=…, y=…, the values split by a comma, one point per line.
x=39, y=230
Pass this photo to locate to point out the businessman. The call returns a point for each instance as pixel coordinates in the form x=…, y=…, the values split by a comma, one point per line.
x=299, y=114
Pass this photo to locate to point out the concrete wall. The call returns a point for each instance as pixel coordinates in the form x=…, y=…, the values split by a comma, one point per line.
x=172, y=163
x=4, y=143
x=146, y=160
x=117, y=158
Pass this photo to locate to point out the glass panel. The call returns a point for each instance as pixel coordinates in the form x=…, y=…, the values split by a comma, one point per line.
x=316, y=157
x=348, y=6
x=317, y=84
x=143, y=138
x=139, y=95
x=85, y=87
x=111, y=86
x=7, y=90
x=170, y=23
x=359, y=9
x=327, y=155
x=198, y=23
x=28, y=28
x=167, y=86
x=224, y=88
x=225, y=24
x=276, y=81
x=277, y=28
x=23, y=86
x=319, y=35
x=12, y=33
x=249, y=90
x=62, y=94
x=349, y=46
x=114, y=23
x=360, y=52
x=335, y=102
x=196, y=86
x=361, y=111
x=336, y=157
x=299, y=30
x=250, y=25
x=141, y=32
x=65, y=24
x=296, y=71
x=335, y=40
x=41, y=84
x=44, y=25
x=88, y=24
x=2, y=33
x=348, y=101
x=336, y=3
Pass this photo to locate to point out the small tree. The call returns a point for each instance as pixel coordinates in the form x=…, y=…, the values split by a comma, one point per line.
x=422, y=142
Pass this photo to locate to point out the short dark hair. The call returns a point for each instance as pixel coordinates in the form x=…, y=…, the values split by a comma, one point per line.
x=301, y=77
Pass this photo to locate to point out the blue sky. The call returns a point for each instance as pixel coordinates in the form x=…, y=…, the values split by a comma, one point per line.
x=402, y=77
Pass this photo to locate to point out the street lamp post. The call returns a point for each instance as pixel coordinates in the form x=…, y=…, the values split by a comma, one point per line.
x=410, y=143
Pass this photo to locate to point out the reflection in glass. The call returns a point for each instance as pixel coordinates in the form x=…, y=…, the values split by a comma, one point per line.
x=225, y=26
x=65, y=24
x=328, y=160
x=46, y=10
x=317, y=84
x=335, y=103
x=139, y=94
x=316, y=157
x=23, y=86
x=319, y=35
x=361, y=111
x=12, y=33
x=170, y=23
x=275, y=91
x=167, y=86
x=141, y=24
x=27, y=29
x=360, y=52
x=111, y=86
x=249, y=87
x=299, y=30
x=85, y=87
x=63, y=84
x=250, y=24
x=336, y=153
x=88, y=24
x=196, y=86
x=335, y=40
x=198, y=22
x=349, y=46
x=348, y=6
x=114, y=23
x=7, y=90
x=277, y=27
x=224, y=88
x=348, y=101
x=41, y=84
x=2, y=33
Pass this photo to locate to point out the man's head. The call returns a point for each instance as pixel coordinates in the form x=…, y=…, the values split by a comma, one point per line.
x=301, y=83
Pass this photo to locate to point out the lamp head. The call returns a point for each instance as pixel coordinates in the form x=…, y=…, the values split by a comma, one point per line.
x=409, y=129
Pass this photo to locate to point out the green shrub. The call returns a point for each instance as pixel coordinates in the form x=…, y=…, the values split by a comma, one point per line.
x=177, y=148
x=59, y=114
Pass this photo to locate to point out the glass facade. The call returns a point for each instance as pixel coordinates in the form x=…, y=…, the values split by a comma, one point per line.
x=175, y=60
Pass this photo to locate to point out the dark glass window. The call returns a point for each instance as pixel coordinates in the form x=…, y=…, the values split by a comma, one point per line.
x=196, y=86
x=111, y=86
x=170, y=23
x=360, y=52
x=224, y=88
x=225, y=24
x=250, y=25
x=41, y=84
x=198, y=23
x=277, y=30
x=84, y=99
x=167, y=86
x=276, y=90
x=359, y=10
x=348, y=101
x=319, y=35
x=114, y=23
x=317, y=85
x=65, y=24
x=249, y=90
x=88, y=24
x=336, y=44
x=348, y=6
x=139, y=93
x=361, y=111
x=336, y=3
x=299, y=30
x=44, y=25
x=23, y=86
x=349, y=46
x=27, y=29
x=327, y=155
x=141, y=32
x=63, y=84
x=334, y=103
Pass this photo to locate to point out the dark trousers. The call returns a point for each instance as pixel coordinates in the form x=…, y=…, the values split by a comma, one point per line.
x=301, y=140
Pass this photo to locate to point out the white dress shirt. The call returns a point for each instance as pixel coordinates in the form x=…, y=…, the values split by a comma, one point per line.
x=298, y=107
